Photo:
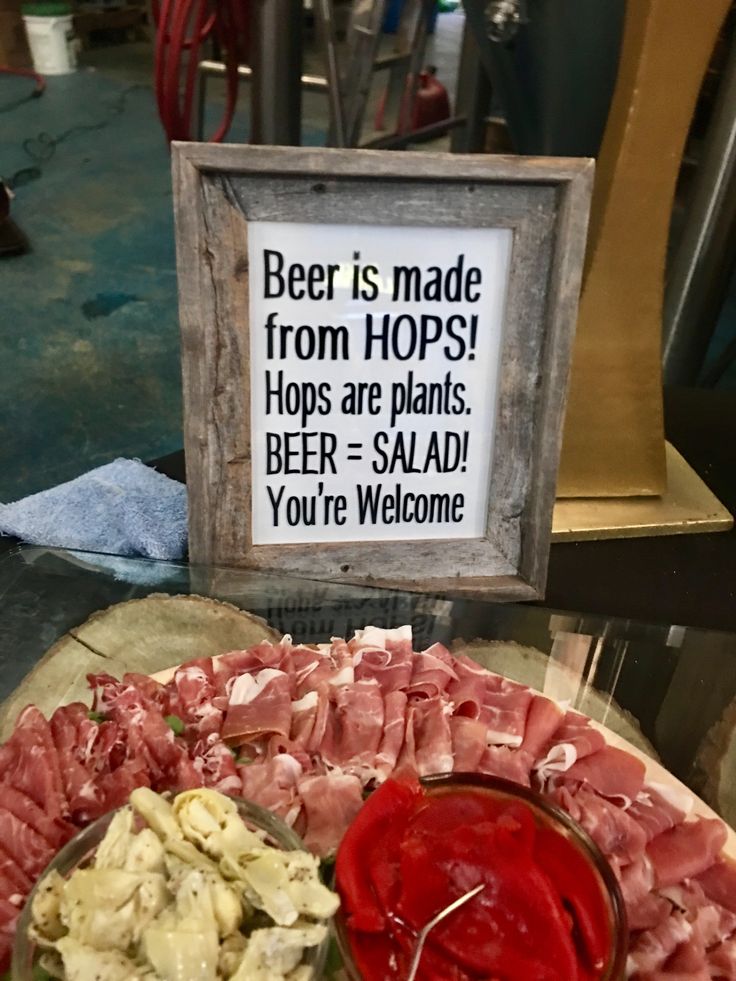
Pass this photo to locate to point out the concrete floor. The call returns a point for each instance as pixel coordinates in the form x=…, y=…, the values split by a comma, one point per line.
x=89, y=342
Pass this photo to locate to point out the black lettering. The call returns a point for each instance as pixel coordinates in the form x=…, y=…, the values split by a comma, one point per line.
x=372, y=292
x=273, y=273
x=473, y=279
x=411, y=278
x=371, y=336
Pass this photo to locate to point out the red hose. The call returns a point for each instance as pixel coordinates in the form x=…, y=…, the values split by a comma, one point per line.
x=182, y=27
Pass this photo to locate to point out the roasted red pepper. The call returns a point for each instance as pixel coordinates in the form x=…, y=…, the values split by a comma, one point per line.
x=541, y=913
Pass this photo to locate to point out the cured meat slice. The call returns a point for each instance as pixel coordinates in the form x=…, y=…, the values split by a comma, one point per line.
x=331, y=802
x=215, y=763
x=303, y=716
x=718, y=882
x=54, y=831
x=610, y=827
x=508, y=763
x=656, y=812
x=543, y=719
x=235, y=663
x=273, y=784
x=573, y=740
x=154, y=692
x=430, y=723
x=722, y=960
x=686, y=850
x=9, y=914
x=310, y=668
x=611, y=772
x=29, y=762
x=648, y=913
x=395, y=639
x=342, y=657
x=468, y=742
x=651, y=949
x=354, y=726
x=119, y=784
x=391, y=669
x=432, y=672
x=712, y=922
x=466, y=695
x=12, y=872
x=504, y=713
x=394, y=728
x=29, y=849
x=259, y=704
x=636, y=880
x=195, y=694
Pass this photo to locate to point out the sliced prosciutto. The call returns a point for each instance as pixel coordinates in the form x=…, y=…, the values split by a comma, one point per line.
x=354, y=726
x=259, y=704
x=432, y=672
x=432, y=741
x=394, y=731
x=611, y=772
x=331, y=802
x=686, y=850
x=309, y=731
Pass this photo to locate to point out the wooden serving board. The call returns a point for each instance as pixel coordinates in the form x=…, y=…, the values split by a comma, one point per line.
x=142, y=635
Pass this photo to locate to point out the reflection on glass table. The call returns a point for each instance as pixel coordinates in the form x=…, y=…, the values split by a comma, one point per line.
x=669, y=689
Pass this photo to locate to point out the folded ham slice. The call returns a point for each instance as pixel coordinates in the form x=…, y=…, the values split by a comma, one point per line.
x=686, y=850
x=432, y=672
x=394, y=730
x=331, y=802
x=259, y=704
x=611, y=772
x=354, y=726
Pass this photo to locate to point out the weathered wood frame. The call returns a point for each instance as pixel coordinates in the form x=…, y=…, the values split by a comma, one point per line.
x=219, y=189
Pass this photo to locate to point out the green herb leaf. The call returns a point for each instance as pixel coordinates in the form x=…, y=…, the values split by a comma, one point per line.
x=174, y=723
x=95, y=716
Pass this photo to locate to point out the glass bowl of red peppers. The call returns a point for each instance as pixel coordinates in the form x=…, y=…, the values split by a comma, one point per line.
x=550, y=908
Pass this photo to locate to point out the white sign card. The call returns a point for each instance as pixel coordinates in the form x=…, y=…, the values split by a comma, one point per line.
x=374, y=355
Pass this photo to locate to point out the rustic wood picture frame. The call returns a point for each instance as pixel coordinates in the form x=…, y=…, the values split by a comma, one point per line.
x=219, y=189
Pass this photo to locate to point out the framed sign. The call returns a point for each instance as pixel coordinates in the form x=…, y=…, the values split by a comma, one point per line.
x=375, y=351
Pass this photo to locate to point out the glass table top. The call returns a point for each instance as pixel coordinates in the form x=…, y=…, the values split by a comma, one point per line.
x=668, y=688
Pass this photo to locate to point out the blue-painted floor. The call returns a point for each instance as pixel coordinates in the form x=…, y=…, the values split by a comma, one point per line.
x=89, y=345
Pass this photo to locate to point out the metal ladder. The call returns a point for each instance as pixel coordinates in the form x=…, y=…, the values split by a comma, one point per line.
x=350, y=67
x=349, y=83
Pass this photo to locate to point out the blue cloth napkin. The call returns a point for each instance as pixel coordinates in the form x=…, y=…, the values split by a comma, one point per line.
x=122, y=508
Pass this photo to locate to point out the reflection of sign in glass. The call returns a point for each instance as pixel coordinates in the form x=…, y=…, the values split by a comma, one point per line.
x=373, y=380
x=375, y=351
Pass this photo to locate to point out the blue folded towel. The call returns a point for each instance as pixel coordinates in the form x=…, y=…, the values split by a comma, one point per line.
x=122, y=508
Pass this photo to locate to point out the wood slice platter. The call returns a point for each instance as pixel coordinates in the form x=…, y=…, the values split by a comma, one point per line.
x=141, y=635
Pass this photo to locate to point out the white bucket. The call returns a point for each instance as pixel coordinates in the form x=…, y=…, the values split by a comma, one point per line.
x=53, y=44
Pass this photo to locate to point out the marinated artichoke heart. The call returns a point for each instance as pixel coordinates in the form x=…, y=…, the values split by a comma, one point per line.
x=212, y=822
x=273, y=953
x=46, y=910
x=110, y=908
x=283, y=884
x=195, y=895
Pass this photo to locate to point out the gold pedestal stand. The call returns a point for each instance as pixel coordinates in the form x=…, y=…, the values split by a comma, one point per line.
x=686, y=506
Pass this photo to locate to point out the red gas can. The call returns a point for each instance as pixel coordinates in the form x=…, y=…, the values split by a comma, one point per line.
x=431, y=104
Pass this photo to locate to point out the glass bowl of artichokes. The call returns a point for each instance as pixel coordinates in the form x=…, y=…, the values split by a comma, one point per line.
x=198, y=887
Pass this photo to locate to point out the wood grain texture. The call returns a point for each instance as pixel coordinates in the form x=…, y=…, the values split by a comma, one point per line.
x=218, y=190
